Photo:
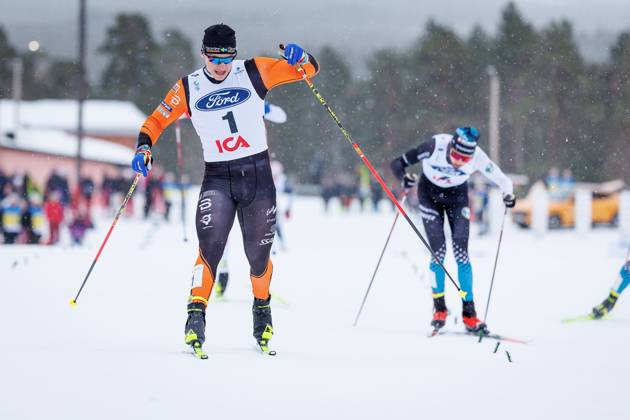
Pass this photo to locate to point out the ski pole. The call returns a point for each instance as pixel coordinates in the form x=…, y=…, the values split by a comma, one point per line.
x=356, y=319
x=73, y=302
x=494, y=270
x=180, y=170
x=367, y=163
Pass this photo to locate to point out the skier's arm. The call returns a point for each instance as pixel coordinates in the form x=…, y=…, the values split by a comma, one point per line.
x=267, y=73
x=412, y=157
x=175, y=104
x=490, y=170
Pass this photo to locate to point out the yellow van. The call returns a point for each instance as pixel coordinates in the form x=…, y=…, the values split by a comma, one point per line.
x=605, y=207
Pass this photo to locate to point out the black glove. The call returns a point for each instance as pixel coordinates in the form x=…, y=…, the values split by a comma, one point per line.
x=398, y=167
x=409, y=180
x=509, y=200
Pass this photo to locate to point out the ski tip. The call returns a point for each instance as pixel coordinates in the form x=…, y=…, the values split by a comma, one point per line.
x=199, y=353
x=588, y=317
x=265, y=350
x=73, y=303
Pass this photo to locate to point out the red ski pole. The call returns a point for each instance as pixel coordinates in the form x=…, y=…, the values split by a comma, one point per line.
x=73, y=302
x=367, y=163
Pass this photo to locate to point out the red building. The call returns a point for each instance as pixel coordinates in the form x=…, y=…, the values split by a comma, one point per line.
x=46, y=137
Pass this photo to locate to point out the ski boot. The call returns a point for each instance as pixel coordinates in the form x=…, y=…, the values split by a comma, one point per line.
x=606, y=306
x=439, y=313
x=263, y=327
x=472, y=323
x=195, y=324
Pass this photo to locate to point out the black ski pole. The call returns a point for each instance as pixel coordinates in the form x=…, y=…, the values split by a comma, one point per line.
x=180, y=171
x=494, y=270
x=367, y=163
x=73, y=302
x=380, y=258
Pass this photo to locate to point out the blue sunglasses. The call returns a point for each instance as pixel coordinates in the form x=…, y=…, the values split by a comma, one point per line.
x=219, y=60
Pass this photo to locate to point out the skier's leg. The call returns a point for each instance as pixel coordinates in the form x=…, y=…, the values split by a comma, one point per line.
x=214, y=219
x=433, y=221
x=623, y=280
x=458, y=214
x=279, y=238
x=258, y=220
x=257, y=225
x=459, y=219
x=147, y=201
x=257, y=217
x=224, y=273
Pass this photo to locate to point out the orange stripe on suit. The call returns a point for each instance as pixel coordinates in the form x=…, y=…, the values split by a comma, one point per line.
x=203, y=280
x=260, y=283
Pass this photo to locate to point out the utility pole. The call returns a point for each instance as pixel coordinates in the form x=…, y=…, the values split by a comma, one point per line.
x=18, y=67
x=82, y=85
x=493, y=124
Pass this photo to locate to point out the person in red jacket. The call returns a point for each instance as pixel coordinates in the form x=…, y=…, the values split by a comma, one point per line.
x=54, y=213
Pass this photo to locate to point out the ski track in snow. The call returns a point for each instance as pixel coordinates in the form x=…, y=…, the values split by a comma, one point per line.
x=120, y=353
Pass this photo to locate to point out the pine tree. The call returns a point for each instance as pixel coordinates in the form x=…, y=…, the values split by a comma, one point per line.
x=176, y=58
x=61, y=79
x=618, y=112
x=133, y=72
x=565, y=96
x=309, y=131
x=7, y=53
x=517, y=46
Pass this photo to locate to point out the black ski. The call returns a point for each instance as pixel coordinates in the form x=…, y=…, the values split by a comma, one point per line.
x=491, y=336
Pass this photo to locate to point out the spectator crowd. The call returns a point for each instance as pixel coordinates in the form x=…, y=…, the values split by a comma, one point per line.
x=38, y=214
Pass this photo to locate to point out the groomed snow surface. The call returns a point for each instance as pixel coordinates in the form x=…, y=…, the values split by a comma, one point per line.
x=120, y=353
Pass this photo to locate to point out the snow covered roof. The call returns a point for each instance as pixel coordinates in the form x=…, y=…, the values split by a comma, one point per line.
x=60, y=143
x=99, y=116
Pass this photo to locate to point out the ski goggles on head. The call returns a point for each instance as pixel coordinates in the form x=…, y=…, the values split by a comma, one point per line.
x=220, y=60
x=218, y=50
x=455, y=155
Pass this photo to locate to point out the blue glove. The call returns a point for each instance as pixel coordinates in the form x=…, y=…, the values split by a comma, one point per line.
x=142, y=161
x=295, y=55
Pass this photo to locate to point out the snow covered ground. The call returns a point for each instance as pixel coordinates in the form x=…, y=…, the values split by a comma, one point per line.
x=120, y=353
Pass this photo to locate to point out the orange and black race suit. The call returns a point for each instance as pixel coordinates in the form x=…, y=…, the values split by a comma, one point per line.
x=228, y=118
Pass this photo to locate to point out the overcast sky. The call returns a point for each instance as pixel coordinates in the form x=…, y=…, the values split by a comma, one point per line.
x=360, y=26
